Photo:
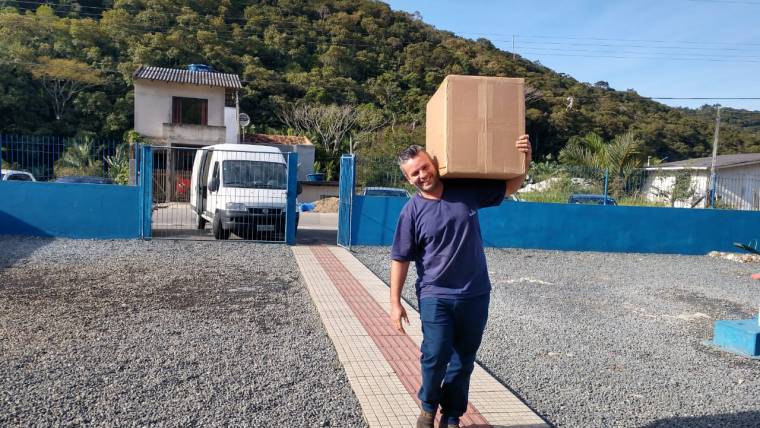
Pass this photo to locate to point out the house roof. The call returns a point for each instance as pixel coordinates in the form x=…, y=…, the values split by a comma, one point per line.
x=176, y=75
x=290, y=140
x=722, y=161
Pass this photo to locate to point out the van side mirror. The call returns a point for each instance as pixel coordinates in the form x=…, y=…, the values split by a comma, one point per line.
x=214, y=184
x=299, y=189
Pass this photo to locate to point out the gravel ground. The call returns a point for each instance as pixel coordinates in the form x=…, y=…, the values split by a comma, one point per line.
x=600, y=339
x=163, y=333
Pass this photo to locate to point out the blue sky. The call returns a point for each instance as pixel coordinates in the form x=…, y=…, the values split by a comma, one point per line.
x=660, y=48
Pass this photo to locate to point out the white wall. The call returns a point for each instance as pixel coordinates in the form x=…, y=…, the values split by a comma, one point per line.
x=196, y=135
x=660, y=183
x=314, y=192
x=305, y=160
x=232, y=124
x=305, y=157
x=739, y=187
x=153, y=104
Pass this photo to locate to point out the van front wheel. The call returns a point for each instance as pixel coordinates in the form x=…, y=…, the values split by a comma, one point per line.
x=219, y=232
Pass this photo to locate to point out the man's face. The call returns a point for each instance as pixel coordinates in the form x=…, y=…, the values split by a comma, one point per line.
x=421, y=172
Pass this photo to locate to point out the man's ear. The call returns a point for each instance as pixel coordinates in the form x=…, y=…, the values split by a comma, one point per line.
x=435, y=161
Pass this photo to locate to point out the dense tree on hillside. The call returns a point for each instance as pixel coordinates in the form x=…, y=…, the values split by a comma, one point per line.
x=341, y=52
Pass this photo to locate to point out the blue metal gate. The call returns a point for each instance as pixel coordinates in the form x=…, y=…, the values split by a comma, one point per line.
x=346, y=198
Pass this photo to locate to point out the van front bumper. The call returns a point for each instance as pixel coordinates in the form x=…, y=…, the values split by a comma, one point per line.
x=255, y=220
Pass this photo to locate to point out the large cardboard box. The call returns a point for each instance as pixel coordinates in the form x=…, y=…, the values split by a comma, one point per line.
x=473, y=123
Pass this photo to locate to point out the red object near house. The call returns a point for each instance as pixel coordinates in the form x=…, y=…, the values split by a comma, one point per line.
x=182, y=186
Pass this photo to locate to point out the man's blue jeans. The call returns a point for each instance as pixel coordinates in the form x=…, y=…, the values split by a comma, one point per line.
x=451, y=334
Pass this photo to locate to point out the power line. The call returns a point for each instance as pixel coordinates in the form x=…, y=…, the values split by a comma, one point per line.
x=606, y=50
x=523, y=42
x=230, y=36
x=629, y=57
x=753, y=3
x=535, y=48
x=619, y=94
x=604, y=39
x=350, y=43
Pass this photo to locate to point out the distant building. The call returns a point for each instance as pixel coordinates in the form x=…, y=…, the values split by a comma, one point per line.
x=176, y=107
x=183, y=108
x=737, y=185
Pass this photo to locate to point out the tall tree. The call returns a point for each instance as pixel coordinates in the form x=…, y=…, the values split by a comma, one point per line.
x=63, y=79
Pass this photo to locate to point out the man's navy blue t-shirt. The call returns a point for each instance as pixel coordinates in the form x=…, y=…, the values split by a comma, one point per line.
x=443, y=238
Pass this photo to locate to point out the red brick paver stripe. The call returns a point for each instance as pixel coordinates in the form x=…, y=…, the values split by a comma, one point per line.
x=398, y=349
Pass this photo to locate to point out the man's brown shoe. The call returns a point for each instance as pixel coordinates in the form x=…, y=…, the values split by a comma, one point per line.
x=425, y=419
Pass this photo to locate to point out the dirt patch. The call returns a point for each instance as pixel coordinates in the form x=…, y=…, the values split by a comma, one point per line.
x=327, y=205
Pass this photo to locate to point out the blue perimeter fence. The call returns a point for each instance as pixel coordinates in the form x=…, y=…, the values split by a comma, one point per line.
x=371, y=220
x=117, y=205
x=78, y=210
x=49, y=158
x=688, y=187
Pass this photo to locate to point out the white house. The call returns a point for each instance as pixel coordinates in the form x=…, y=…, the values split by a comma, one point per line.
x=737, y=182
x=192, y=107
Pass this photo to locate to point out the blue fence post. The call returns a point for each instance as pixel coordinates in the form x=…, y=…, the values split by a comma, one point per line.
x=346, y=198
x=606, y=184
x=146, y=191
x=290, y=216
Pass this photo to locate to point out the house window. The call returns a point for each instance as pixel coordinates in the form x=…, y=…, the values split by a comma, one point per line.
x=189, y=111
x=230, y=97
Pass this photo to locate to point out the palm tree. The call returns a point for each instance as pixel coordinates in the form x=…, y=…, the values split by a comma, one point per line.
x=620, y=157
x=79, y=160
x=118, y=165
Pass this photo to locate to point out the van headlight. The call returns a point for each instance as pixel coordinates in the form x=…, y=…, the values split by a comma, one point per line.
x=235, y=206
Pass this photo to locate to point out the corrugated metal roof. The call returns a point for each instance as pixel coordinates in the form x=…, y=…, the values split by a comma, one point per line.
x=721, y=161
x=176, y=75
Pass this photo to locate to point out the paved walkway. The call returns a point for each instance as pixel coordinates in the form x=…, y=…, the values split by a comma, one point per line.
x=382, y=364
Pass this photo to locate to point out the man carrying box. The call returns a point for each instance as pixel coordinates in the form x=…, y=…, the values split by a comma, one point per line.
x=438, y=229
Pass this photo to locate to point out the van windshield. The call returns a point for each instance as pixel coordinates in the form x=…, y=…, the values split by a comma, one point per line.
x=254, y=174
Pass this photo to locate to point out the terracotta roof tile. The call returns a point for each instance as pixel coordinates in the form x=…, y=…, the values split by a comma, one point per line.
x=291, y=140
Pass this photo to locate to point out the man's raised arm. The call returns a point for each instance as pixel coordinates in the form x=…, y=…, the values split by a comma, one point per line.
x=514, y=184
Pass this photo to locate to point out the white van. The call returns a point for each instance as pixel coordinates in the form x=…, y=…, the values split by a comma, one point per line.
x=240, y=188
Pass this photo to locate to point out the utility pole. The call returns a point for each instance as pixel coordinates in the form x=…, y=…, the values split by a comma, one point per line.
x=714, y=156
x=513, y=47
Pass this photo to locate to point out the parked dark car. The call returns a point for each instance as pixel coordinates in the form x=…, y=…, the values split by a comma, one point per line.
x=590, y=199
x=386, y=191
x=84, y=180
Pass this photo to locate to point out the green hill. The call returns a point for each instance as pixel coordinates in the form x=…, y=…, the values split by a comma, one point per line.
x=326, y=51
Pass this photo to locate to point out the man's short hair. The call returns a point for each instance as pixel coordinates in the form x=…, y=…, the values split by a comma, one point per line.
x=409, y=153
